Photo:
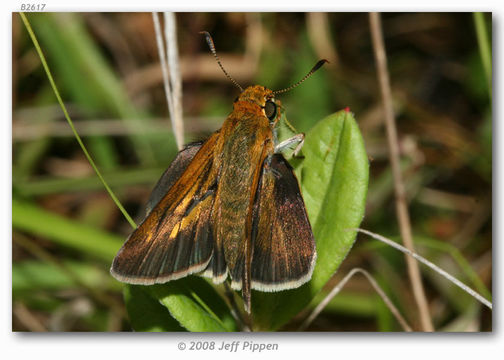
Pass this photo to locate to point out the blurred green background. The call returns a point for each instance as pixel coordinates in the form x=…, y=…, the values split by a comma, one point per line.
x=66, y=229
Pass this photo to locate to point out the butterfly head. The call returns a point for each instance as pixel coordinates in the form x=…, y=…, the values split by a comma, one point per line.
x=261, y=97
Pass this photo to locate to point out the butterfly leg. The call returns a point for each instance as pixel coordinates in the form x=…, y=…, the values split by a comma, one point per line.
x=296, y=139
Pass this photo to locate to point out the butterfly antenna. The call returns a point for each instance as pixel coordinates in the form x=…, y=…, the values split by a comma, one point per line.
x=317, y=66
x=211, y=45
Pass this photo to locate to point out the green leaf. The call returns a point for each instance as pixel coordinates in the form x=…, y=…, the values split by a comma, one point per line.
x=146, y=313
x=30, y=276
x=195, y=304
x=334, y=180
x=360, y=305
x=44, y=185
x=89, y=240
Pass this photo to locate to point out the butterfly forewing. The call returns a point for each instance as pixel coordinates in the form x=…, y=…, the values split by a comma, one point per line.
x=171, y=175
x=176, y=237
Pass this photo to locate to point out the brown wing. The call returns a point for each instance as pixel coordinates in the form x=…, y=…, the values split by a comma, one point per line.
x=176, y=237
x=171, y=175
x=284, y=247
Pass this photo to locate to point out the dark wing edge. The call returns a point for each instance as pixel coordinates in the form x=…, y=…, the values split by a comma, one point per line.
x=172, y=242
x=284, y=252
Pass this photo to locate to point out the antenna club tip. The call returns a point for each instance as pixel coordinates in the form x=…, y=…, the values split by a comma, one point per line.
x=319, y=64
x=208, y=37
x=209, y=40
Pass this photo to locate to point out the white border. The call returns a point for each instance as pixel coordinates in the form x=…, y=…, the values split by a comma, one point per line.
x=307, y=346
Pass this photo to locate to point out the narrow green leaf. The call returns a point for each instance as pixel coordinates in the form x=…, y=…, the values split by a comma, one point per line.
x=485, y=47
x=45, y=185
x=334, y=179
x=30, y=276
x=35, y=220
x=349, y=304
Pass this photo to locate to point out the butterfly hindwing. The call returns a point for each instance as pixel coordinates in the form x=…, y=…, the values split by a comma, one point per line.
x=283, y=243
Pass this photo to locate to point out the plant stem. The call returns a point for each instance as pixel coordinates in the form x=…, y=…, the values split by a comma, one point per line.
x=400, y=198
x=340, y=286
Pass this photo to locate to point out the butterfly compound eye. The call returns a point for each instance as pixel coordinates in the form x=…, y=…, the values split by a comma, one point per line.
x=270, y=109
